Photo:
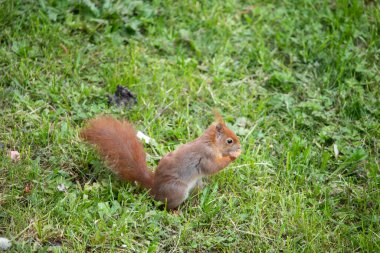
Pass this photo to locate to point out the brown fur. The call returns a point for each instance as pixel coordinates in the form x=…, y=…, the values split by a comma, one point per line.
x=177, y=172
x=118, y=145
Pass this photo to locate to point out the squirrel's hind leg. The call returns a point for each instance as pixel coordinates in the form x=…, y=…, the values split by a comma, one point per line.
x=173, y=194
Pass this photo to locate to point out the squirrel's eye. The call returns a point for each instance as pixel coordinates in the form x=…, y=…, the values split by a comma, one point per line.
x=229, y=140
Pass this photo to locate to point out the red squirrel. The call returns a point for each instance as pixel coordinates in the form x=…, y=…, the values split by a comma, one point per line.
x=177, y=172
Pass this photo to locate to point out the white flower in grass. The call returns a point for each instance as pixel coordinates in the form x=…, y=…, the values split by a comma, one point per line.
x=144, y=137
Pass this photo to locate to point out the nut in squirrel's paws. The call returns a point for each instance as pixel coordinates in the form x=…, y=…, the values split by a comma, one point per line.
x=235, y=154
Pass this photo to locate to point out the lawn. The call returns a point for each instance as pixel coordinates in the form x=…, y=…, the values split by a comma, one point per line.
x=297, y=80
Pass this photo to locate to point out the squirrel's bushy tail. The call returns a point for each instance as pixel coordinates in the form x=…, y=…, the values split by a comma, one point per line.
x=118, y=145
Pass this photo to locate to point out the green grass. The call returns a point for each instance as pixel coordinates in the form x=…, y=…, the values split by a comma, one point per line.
x=292, y=78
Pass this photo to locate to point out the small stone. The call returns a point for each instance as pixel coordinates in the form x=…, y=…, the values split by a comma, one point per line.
x=61, y=188
x=5, y=243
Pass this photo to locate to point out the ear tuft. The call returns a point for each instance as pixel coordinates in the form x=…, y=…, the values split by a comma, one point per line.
x=218, y=117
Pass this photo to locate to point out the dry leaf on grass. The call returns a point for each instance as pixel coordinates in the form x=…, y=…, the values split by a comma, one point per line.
x=14, y=155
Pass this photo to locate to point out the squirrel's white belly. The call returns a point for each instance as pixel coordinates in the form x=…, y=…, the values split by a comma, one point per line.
x=191, y=185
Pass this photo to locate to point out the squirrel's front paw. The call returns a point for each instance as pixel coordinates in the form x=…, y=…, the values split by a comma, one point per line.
x=235, y=154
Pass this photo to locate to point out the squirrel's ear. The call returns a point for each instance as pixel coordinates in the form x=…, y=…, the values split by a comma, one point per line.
x=219, y=123
x=219, y=127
